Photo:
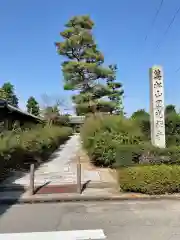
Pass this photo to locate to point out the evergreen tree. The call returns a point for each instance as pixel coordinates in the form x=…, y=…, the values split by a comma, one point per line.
x=140, y=114
x=115, y=91
x=83, y=70
x=33, y=106
x=170, y=109
x=10, y=95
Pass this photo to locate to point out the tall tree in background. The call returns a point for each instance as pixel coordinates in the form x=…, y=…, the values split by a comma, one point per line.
x=141, y=114
x=84, y=71
x=143, y=119
x=33, y=106
x=116, y=92
x=170, y=109
x=10, y=95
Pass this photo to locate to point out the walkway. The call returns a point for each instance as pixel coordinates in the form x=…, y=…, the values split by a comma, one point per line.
x=61, y=169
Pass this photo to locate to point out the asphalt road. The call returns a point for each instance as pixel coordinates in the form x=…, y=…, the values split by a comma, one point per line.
x=118, y=220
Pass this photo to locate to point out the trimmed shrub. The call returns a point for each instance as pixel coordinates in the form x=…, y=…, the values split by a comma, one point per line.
x=127, y=155
x=156, y=179
x=35, y=145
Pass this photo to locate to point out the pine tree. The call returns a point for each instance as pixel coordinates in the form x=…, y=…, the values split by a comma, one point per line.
x=116, y=92
x=33, y=106
x=83, y=70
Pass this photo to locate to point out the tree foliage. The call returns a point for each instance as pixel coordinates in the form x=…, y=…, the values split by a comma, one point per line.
x=115, y=90
x=84, y=70
x=140, y=114
x=143, y=119
x=3, y=94
x=170, y=109
x=8, y=93
x=51, y=110
x=33, y=106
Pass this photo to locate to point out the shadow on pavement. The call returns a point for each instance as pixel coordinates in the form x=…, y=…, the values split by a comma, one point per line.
x=13, y=193
x=85, y=185
x=40, y=187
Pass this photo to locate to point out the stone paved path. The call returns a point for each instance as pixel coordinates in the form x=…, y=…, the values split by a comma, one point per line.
x=61, y=169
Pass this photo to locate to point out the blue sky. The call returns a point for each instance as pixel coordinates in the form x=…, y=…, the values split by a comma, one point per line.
x=28, y=56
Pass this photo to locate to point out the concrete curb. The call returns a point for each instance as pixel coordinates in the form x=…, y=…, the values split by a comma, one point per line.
x=81, y=198
x=9, y=187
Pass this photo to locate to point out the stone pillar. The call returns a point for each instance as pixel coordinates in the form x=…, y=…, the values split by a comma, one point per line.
x=157, y=107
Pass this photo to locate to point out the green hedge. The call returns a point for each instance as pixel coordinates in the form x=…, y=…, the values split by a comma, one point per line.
x=156, y=179
x=127, y=155
x=17, y=149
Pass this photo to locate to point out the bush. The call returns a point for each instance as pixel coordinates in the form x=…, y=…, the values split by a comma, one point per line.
x=146, y=154
x=172, y=123
x=172, y=126
x=143, y=120
x=113, y=141
x=101, y=134
x=34, y=145
x=62, y=120
x=156, y=179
